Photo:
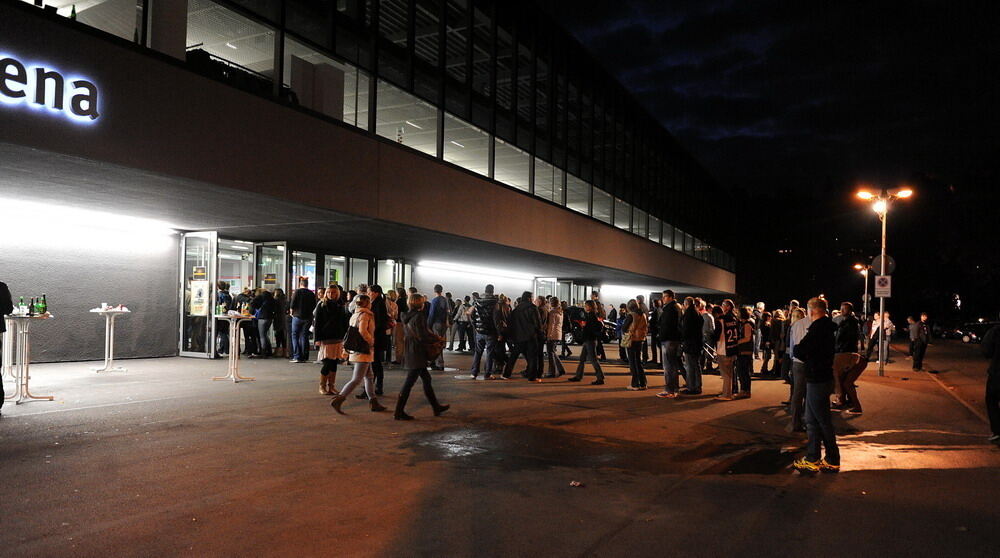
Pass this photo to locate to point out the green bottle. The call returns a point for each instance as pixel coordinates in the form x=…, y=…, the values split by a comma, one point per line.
x=43, y=305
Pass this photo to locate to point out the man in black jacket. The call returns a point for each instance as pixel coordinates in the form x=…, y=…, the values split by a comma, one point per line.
x=846, y=359
x=692, y=324
x=670, y=338
x=6, y=307
x=526, y=330
x=486, y=335
x=991, y=350
x=301, y=308
x=816, y=350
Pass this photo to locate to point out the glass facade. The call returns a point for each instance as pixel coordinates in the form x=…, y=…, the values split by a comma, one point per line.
x=496, y=88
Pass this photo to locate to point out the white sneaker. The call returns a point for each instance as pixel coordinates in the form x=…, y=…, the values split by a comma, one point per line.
x=465, y=377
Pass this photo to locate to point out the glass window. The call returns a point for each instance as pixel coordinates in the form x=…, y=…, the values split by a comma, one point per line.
x=311, y=20
x=406, y=119
x=678, y=240
x=639, y=224
x=304, y=265
x=335, y=268
x=548, y=182
x=325, y=85
x=602, y=206
x=359, y=272
x=688, y=244
x=511, y=165
x=577, y=194
x=654, y=229
x=111, y=16
x=230, y=47
x=384, y=273
x=466, y=146
x=456, y=40
x=505, y=76
x=392, y=53
x=623, y=214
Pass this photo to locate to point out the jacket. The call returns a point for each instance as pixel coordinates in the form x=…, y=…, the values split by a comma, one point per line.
x=848, y=333
x=990, y=348
x=669, y=327
x=637, y=326
x=331, y=321
x=364, y=320
x=524, y=323
x=778, y=331
x=708, y=329
x=727, y=335
x=554, y=325
x=745, y=346
x=6, y=305
x=591, y=330
x=816, y=350
x=225, y=299
x=439, y=310
x=381, y=315
x=303, y=304
x=263, y=306
x=501, y=317
x=691, y=326
x=415, y=336
x=482, y=315
x=919, y=333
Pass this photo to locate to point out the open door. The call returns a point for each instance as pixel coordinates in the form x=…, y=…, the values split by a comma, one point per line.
x=198, y=275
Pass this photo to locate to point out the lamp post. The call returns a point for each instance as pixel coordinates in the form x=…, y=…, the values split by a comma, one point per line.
x=880, y=204
x=864, y=269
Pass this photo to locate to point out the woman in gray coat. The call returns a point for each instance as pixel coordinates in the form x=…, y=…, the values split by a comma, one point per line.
x=416, y=334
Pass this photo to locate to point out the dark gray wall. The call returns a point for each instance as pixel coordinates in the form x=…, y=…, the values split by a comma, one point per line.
x=77, y=278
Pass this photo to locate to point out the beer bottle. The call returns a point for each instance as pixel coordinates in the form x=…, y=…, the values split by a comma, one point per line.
x=44, y=306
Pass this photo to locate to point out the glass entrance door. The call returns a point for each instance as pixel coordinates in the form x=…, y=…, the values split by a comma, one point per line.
x=197, y=292
x=272, y=265
x=335, y=268
x=236, y=265
x=303, y=265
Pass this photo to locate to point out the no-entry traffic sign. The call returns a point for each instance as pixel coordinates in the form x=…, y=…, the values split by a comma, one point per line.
x=883, y=286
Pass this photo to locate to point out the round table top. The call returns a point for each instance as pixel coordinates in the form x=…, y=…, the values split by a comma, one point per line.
x=45, y=316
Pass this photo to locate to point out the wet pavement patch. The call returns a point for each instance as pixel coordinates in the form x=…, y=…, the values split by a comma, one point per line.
x=768, y=461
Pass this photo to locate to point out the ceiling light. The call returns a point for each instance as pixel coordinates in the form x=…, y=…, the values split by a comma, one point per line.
x=458, y=144
x=414, y=125
x=232, y=46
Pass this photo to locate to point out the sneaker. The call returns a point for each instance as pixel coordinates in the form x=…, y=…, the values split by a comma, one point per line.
x=633, y=388
x=853, y=412
x=574, y=379
x=484, y=378
x=666, y=395
x=691, y=392
x=721, y=397
x=594, y=383
x=826, y=467
x=805, y=466
x=465, y=377
x=295, y=361
x=995, y=438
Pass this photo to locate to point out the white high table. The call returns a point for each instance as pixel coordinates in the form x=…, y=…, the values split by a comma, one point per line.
x=17, y=355
x=109, y=340
x=234, y=346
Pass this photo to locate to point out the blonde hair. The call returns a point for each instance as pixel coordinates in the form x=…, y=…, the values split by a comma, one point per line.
x=415, y=300
x=817, y=303
x=797, y=314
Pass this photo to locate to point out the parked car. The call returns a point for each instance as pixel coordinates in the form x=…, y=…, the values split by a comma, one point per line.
x=973, y=332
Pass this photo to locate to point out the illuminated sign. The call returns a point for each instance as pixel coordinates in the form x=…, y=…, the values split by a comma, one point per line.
x=44, y=88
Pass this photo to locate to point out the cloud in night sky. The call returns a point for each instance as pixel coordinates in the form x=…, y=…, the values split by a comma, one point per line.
x=802, y=95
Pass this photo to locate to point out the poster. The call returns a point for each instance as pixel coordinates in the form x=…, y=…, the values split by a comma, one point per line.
x=199, y=273
x=199, y=298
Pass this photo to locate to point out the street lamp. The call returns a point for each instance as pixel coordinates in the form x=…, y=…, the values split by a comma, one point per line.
x=880, y=204
x=864, y=269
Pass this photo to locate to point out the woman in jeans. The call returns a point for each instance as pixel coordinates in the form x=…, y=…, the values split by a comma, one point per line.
x=280, y=323
x=619, y=329
x=331, y=325
x=554, y=335
x=416, y=334
x=364, y=320
x=744, y=358
x=589, y=334
x=263, y=306
x=635, y=326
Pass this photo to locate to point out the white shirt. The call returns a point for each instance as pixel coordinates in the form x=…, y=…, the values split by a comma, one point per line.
x=796, y=334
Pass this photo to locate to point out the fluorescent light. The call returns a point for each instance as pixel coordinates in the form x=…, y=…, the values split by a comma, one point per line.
x=475, y=270
x=458, y=144
x=414, y=125
x=232, y=46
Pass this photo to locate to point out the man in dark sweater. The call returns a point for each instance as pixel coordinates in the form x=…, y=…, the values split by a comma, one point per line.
x=301, y=308
x=671, y=336
x=525, y=330
x=816, y=350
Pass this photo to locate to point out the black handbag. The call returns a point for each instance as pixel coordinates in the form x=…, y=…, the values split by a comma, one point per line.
x=354, y=342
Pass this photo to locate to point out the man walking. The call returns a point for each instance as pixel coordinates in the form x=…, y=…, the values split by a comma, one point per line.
x=991, y=350
x=670, y=339
x=526, y=329
x=845, y=360
x=302, y=307
x=437, y=319
x=920, y=336
x=601, y=315
x=816, y=350
x=486, y=335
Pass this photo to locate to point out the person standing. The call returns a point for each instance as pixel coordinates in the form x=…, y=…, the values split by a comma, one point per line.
x=758, y=313
x=796, y=401
x=766, y=348
x=331, y=326
x=242, y=302
x=727, y=336
x=382, y=330
x=654, y=333
x=553, y=335
x=920, y=336
x=846, y=359
x=416, y=336
x=224, y=301
x=566, y=328
x=301, y=308
x=669, y=328
x=437, y=320
x=744, y=353
x=526, y=329
x=991, y=350
x=263, y=306
x=397, y=328
x=601, y=315
x=281, y=323
x=461, y=319
x=485, y=342
x=691, y=330
x=501, y=318
x=6, y=307
x=634, y=329
x=816, y=350
x=879, y=322
x=777, y=341
x=364, y=321
x=589, y=335
x=707, y=335
x=640, y=300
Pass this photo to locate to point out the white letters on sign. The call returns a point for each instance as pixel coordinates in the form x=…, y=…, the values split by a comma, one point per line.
x=42, y=87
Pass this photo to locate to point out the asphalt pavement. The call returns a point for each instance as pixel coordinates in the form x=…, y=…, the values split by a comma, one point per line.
x=162, y=461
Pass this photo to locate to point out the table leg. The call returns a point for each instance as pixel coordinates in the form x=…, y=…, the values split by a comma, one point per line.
x=25, y=368
x=109, y=346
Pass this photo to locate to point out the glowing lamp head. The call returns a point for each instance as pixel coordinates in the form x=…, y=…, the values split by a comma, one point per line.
x=858, y=267
x=866, y=195
x=904, y=193
x=880, y=207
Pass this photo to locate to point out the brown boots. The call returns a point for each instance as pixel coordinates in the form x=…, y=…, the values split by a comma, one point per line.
x=328, y=384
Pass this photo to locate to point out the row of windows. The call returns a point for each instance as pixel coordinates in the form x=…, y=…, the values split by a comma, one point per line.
x=480, y=84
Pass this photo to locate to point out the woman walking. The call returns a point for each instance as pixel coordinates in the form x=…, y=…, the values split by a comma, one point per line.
x=634, y=329
x=589, y=335
x=416, y=335
x=331, y=325
x=744, y=358
x=554, y=335
x=364, y=321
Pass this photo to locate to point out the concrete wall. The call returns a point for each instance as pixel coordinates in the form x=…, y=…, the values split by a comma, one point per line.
x=84, y=269
x=461, y=284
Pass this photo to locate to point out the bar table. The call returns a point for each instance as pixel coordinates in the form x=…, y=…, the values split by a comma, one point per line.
x=109, y=339
x=233, y=372
x=17, y=352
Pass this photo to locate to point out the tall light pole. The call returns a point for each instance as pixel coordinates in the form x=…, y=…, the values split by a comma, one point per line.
x=864, y=269
x=880, y=204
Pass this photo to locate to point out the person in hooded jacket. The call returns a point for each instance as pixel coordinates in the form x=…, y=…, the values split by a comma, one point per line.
x=634, y=330
x=589, y=334
x=525, y=331
x=331, y=326
x=364, y=321
x=485, y=341
x=553, y=335
x=416, y=336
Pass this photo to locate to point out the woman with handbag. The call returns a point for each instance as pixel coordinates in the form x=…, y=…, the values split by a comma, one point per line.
x=417, y=340
x=360, y=341
x=331, y=326
x=634, y=330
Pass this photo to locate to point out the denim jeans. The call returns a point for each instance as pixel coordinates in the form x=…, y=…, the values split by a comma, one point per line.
x=300, y=338
x=692, y=365
x=440, y=329
x=589, y=351
x=555, y=365
x=796, y=400
x=362, y=373
x=819, y=424
x=744, y=368
x=672, y=366
x=634, y=364
x=485, y=344
x=529, y=349
x=263, y=339
x=727, y=365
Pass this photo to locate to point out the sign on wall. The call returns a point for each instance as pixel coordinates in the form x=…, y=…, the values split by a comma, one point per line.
x=43, y=88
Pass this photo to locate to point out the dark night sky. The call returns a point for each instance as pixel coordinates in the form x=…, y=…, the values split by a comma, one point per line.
x=792, y=104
